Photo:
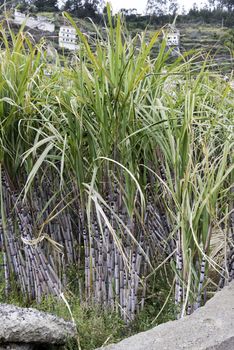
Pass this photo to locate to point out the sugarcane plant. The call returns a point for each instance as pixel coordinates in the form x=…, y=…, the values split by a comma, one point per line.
x=115, y=164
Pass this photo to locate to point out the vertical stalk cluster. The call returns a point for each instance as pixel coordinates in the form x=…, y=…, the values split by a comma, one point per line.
x=113, y=166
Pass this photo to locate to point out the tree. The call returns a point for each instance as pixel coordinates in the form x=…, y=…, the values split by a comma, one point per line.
x=156, y=7
x=183, y=12
x=229, y=4
x=221, y=4
x=73, y=6
x=173, y=7
x=90, y=8
x=128, y=12
x=48, y=5
x=83, y=8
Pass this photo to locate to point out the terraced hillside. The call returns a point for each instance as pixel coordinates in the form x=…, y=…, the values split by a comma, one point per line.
x=215, y=41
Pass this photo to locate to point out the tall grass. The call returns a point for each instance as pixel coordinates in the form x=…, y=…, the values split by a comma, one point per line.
x=116, y=164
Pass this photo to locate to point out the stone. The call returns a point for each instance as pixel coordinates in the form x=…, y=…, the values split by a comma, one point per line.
x=30, y=326
x=211, y=327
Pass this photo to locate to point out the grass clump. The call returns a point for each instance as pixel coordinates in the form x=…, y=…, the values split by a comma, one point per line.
x=95, y=326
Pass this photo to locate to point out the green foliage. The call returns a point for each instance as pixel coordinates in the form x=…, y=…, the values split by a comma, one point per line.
x=228, y=40
x=95, y=326
x=114, y=165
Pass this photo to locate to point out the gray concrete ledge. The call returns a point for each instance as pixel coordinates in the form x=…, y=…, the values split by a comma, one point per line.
x=209, y=328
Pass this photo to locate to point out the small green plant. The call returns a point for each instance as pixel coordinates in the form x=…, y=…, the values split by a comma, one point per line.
x=95, y=325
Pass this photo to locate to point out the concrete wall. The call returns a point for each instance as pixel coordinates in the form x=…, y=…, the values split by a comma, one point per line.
x=68, y=45
x=46, y=26
x=40, y=22
x=209, y=328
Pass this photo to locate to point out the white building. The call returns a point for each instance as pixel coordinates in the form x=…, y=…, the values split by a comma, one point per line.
x=171, y=35
x=19, y=17
x=173, y=39
x=40, y=22
x=67, y=38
